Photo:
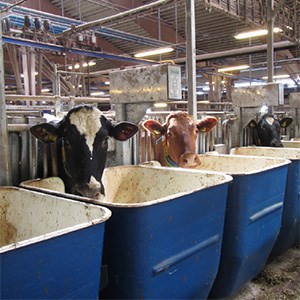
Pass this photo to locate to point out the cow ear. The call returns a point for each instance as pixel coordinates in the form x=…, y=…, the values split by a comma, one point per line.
x=252, y=124
x=153, y=127
x=206, y=124
x=45, y=132
x=285, y=122
x=122, y=131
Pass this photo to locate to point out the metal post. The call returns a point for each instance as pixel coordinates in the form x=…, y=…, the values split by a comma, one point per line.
x=32, y=71
x=5, y=176
x=25, y=70
x=270, y=43
x=191, y=58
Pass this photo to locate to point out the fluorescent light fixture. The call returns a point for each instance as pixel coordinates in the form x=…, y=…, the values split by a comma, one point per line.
x=46, y=90
x=154, y=52
x=77, y=66
x=255, y=33
x=97, y=93
x=234, y=68
x=35, y=74
x=160, y=104
x=277, y=76
x=248, y=83
x=107, y=82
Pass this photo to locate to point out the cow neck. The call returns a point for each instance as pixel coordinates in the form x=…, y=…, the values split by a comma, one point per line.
x=63, y=158
x=168, y=159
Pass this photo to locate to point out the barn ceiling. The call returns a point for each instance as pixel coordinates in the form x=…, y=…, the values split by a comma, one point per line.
x=216, y=23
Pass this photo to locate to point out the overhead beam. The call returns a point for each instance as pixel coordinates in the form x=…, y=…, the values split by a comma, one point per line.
x=237, y=52
x=58, y=48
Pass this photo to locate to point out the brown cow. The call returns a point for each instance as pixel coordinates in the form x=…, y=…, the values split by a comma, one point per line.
x=176, y=138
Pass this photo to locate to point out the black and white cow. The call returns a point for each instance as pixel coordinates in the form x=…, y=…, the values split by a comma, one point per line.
x=266, y=132
x=81, y=138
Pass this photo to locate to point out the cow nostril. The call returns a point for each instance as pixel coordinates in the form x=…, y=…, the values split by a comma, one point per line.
x=97, y=195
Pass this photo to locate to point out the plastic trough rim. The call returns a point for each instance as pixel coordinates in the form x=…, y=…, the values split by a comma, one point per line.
x=283, y=162
x=106, y=215
x=293, y=155
x=226, y=179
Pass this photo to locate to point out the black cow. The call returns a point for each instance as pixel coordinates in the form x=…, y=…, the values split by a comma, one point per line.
x=266, y=132
x=81, y=138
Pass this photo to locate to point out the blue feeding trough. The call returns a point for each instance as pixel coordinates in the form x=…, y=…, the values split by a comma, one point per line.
x=50, y=247
x=253, y=216
x=290, y=228
x=164, y=238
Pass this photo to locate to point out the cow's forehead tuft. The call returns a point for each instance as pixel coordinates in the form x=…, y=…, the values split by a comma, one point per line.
x=87, y=122
x=270, y=120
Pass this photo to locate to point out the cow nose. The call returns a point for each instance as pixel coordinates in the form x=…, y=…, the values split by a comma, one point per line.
x=94, y=192
x=276, y=143
x=189, y=160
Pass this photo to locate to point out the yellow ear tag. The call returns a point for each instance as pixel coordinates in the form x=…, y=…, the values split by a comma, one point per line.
x=52, y=137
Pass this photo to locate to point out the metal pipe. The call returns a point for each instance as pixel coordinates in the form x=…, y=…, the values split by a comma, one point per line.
x=55, y=98
x=270, y=40
x=58, y=48
x=117, y=16
x=25, y=69
x=32, y=71
x=235, y=52
x=5, y=170
x=191, y=58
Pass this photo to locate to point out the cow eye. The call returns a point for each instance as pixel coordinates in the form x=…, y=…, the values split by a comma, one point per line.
x=169, y=133
x=105, y=142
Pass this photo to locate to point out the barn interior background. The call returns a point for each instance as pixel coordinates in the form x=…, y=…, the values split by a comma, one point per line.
x=59, y=53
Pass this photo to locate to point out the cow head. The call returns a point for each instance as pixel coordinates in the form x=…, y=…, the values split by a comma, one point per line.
x=267, y=130
x=178, y=135
x=82, y=141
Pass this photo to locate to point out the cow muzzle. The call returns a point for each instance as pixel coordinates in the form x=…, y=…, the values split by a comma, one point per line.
x=94, y=189
x=189, y=160
x=276, y=143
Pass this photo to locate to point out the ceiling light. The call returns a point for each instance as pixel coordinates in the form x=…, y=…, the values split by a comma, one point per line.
x=154, y=52
x=255, y=33
x=277, y=76
x=160, y=104
x=77, y=66
x=234, y=68
x=97, y=93
x=35, y=74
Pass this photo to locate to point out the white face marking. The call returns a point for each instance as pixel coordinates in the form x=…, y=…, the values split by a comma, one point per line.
x=88, y=124
x=270, y=120
x=94, y=184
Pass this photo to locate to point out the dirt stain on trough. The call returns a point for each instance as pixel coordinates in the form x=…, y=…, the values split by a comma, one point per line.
x=8, y=230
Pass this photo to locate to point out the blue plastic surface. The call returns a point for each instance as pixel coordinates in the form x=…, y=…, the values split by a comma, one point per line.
x=164, y=238
x=169, y=250
x=252, y=223
x=290, y=228
x=51, y=248
x=67, y=267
